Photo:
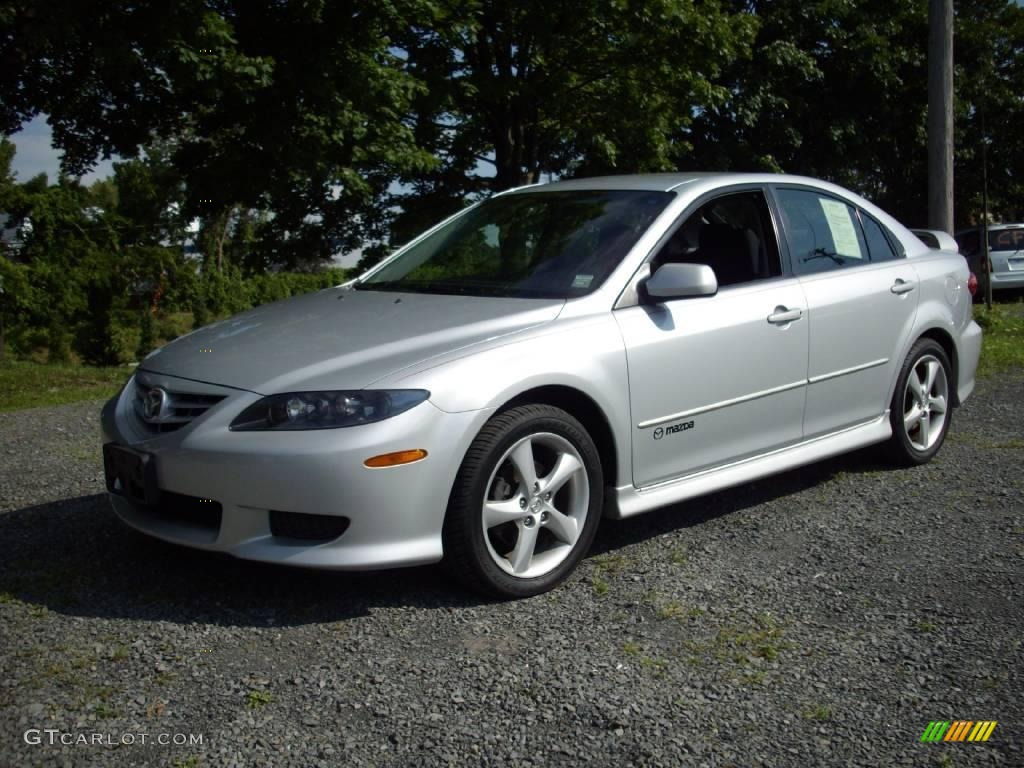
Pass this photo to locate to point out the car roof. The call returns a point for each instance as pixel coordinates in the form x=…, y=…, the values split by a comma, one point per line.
x=664, y=182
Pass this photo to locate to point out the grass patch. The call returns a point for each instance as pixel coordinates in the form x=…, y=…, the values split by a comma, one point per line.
x=605, y=565
x=741, y=645
x=654, y=664
x=820, y=713
x=925, y=626
x=678, y=611
x=257, y=699
x=31, y=385
x=610, y=564
x=1002, y=346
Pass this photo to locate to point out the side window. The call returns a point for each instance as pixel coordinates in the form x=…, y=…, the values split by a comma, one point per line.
x=879, y=247
x=732, y=234
x=823, y=232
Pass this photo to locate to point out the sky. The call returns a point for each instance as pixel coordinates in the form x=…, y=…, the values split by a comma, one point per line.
x=35, y=154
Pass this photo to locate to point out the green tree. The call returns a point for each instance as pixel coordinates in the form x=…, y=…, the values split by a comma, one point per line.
x=839, y=90
x=293, y=108
x=588, y=86
x=989, y=58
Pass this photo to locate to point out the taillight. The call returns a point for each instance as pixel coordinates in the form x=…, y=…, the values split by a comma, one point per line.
x=972, y=284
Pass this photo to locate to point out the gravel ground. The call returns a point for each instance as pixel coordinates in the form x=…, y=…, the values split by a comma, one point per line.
x=821, y=617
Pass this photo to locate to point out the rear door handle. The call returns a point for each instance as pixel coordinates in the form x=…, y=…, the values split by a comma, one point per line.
x=902, y=286
x=783, y=315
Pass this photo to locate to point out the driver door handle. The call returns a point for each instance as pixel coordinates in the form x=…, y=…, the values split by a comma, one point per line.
x=783, y=315
x=902, y=286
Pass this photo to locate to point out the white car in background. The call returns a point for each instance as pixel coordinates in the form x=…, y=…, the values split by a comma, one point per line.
x=1006, y=253
x=550, y=355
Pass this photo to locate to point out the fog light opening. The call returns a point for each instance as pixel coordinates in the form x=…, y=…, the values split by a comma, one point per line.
x=396, y=459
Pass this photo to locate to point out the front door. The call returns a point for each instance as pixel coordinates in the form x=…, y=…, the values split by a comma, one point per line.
x=716, y=379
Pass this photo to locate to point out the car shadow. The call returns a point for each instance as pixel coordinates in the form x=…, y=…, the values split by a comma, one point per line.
x=75, y=558
x=615, y=534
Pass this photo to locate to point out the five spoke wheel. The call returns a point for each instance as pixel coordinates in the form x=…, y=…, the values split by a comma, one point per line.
x=922, y=404
x=537, y=501
x=925, y=401
x=526, y=502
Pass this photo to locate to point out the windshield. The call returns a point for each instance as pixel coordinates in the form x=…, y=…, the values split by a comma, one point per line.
x=539, y=245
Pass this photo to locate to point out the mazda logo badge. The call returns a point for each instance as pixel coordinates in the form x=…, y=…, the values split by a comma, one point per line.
x=155, y=404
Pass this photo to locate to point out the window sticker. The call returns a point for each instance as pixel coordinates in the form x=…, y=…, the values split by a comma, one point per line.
x=841, y=226
x=582, y=281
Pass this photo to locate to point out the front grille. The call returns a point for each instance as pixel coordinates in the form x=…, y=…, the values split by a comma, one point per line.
x=180, y=409
x=305, y=527
x=189, y=510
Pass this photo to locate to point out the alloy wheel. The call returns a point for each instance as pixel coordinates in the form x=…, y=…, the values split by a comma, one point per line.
x=536, y=505
x=925, y=402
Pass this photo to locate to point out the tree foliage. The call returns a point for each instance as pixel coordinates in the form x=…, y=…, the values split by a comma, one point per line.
x=295, y=108
x=291, y=131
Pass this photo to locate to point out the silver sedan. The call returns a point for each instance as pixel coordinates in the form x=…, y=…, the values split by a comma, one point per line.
x=549, y=356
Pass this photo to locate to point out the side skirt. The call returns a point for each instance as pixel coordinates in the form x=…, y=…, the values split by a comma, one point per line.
x=627, y=501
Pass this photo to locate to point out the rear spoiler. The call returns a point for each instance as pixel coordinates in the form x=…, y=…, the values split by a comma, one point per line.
x=937, y=240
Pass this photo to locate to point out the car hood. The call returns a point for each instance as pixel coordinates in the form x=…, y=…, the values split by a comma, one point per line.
x=341, y=338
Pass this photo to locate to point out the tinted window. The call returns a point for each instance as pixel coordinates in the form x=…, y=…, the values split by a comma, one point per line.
x=539, y=244
x=732, y=234
x=879, y=247
x=823, y=232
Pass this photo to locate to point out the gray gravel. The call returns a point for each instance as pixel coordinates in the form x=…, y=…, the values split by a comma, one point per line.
x=822, y=617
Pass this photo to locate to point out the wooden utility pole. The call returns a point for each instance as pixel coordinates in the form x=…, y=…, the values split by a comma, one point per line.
x=940, y=115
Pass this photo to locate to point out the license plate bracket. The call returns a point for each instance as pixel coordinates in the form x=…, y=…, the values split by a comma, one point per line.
x=131, y=474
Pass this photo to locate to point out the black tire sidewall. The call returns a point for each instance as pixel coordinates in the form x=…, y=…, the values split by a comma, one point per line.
x=500, y=434
x=900, y=446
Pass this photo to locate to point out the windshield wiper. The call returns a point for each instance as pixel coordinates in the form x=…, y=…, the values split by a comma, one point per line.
x=821, y=253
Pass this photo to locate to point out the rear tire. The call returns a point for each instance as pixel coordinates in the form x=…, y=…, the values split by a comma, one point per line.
x=526, y=503
x=921, y=407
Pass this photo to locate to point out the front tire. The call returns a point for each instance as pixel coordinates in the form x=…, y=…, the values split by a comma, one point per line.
x=526, y=503
x=921, y=408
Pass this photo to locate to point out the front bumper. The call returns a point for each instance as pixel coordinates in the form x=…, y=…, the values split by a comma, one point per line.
x=395, y=514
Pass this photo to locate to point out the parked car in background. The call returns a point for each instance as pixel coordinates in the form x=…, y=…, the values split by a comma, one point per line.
x=1006, y=253
x=545, y=357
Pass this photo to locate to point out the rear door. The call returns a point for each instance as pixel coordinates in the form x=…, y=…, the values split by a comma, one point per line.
x=862, y=298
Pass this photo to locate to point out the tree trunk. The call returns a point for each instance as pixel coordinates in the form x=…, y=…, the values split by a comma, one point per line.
x=222, y=237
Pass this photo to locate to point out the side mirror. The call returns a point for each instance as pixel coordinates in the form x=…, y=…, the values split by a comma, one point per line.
x=680, y=281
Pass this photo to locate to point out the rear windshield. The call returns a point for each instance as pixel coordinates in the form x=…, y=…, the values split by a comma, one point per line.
x=1006, y=239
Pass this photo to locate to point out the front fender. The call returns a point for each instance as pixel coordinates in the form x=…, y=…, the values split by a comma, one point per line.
x=585, y=354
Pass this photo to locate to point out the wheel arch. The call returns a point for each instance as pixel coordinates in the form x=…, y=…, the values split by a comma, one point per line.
x=583, y=408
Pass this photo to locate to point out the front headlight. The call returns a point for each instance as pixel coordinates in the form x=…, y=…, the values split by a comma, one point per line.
x=326, y=410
